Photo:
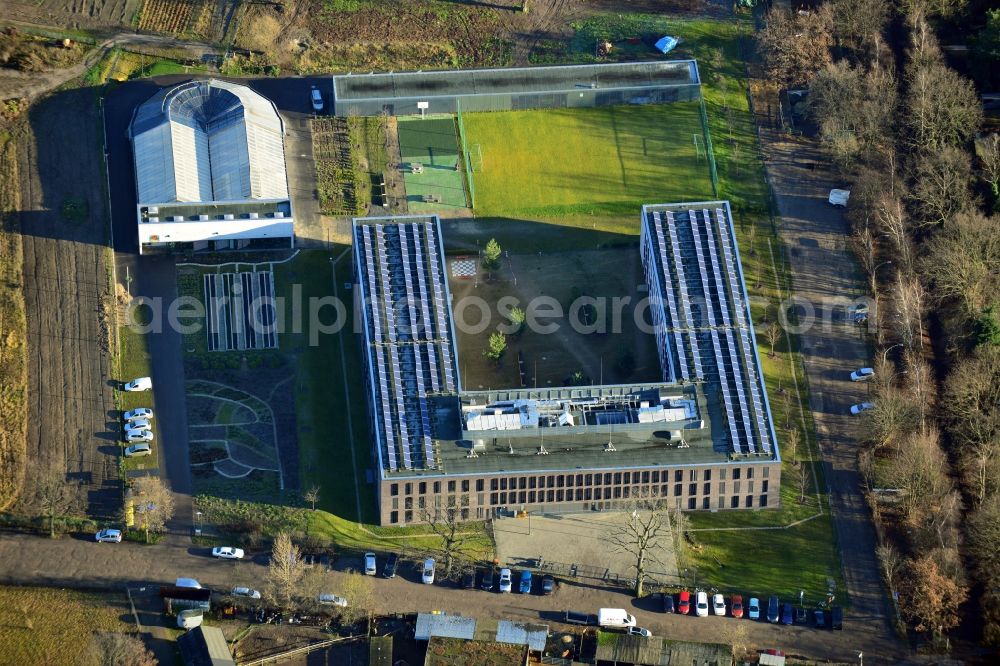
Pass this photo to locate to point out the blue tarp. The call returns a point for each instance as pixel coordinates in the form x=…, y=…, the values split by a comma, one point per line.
x=666, y=44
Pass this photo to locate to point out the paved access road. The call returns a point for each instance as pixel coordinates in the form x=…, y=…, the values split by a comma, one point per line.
x=81, y=562
x=823, y=270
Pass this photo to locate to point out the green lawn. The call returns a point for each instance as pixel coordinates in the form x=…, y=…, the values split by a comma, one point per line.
x=134, y=362
x=603, y=161
x=432, y=143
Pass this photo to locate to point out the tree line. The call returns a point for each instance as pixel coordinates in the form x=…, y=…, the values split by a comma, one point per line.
x=905, y=129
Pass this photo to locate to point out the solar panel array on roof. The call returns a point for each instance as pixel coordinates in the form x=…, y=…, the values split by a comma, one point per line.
x=698, y=274
x=407, y=334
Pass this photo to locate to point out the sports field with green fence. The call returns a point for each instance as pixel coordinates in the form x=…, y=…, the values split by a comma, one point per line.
x=432, y=170
x=600, y=161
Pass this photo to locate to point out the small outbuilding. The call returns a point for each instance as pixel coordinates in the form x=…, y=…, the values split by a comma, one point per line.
x=205, y=646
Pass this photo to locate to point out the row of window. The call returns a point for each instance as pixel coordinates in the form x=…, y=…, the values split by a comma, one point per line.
x=501, y=499
x=571, y=480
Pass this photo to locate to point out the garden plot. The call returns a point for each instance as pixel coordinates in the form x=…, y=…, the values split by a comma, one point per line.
x=231, y=433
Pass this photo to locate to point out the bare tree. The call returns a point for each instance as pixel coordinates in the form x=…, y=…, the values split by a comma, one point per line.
x=942, y=108
x=890, y=562
x=51, y=494
x=312, y=496
x=796, y=46
x=865, y=246
x=893, y=417
x=737, y=635
x=920, y=471
x=894, y=223
x=153, y=504
x=922, y=8
x=908, y=300
x=920, y=383
x=358, y=591
x=963, y=261
x=645, y=524
x=860, y=23
x=988, y=152
x=773, y=333
x=984, y=540
x=941, y=184
x=447, y=524
x=284, y=572
x=792, y=438
x=108, y=649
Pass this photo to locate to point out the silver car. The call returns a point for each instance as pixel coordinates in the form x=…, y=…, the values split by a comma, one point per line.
x=138, y=436
x=138, y=424
x=137, y=450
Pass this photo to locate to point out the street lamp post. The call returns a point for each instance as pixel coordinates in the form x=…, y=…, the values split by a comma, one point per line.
x=885, y=352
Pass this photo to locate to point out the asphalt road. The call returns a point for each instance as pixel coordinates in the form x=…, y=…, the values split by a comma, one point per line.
x=823, y=270
x=80, y=562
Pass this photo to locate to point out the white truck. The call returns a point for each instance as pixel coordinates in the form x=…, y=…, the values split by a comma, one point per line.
x=614, y=617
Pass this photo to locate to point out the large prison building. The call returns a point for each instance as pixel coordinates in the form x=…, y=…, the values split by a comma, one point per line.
x=701, y=439
x=514, y=89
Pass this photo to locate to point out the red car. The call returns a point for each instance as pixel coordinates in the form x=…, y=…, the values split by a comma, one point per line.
x=736, y=606
x=684, y=607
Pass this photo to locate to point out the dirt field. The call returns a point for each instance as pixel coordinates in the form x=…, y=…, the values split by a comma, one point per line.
x=77, y=14
x=552, y=359
x=70, y=399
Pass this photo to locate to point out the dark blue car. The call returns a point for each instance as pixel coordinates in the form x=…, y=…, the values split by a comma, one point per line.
x=525, y=587
x=787, y=613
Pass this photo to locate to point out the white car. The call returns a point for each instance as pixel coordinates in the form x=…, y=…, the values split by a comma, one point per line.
x=138, y=413
x=639, y=631
x=138, y=450
x=428, y=575
x=109, y=536
x=862, y=407
x=187, y=582
x=138, y=436
x=247, y=592
x=505, y=580
x=839, y=198
x=316, y=97
x=862, y=374
x=701, y=607
x=753, y=608
x=227, y=552
x=370, y=568
x=332, y=600
x=718, y=604
x=139, y=384
x=138, y=424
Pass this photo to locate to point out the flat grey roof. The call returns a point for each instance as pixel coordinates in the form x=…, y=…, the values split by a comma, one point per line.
x=467, y=82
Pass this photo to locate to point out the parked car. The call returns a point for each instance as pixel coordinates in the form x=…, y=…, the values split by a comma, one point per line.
x=138, y=413
x=862, y=374
x=718, y=604
x=428, y=574
x=548, y=585
x=189, y=618
x=138, y=436
x=861, y=407
x=227, y=553
x=138, y=424
x=247, y=592
x=837, y=618
x=639, y=631
x=505, y=580
x=736, y=606
x=332, y=600
x=487, y=579
x=786, y=613
x=525, y=586
x=839, y=198
x=187, y=582
x=684, y=602
x=370, y=568
x=109, y=536
x=773, y=610
x=389, y=571
x=139, y=384
x=753, y=608
x=668, y=603
x=469, y=580
x=801, y=617
x=819, y=618
x=138, y=450
x=316, y=99
x=701, y=605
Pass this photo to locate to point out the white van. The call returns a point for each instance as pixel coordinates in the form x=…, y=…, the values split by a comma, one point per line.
x=614, y=617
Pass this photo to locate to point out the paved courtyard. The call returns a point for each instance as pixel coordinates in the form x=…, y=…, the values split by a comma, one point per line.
x=583, y=541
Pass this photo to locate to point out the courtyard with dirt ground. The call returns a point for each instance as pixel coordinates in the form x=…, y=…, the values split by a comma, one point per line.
x=595, y=339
